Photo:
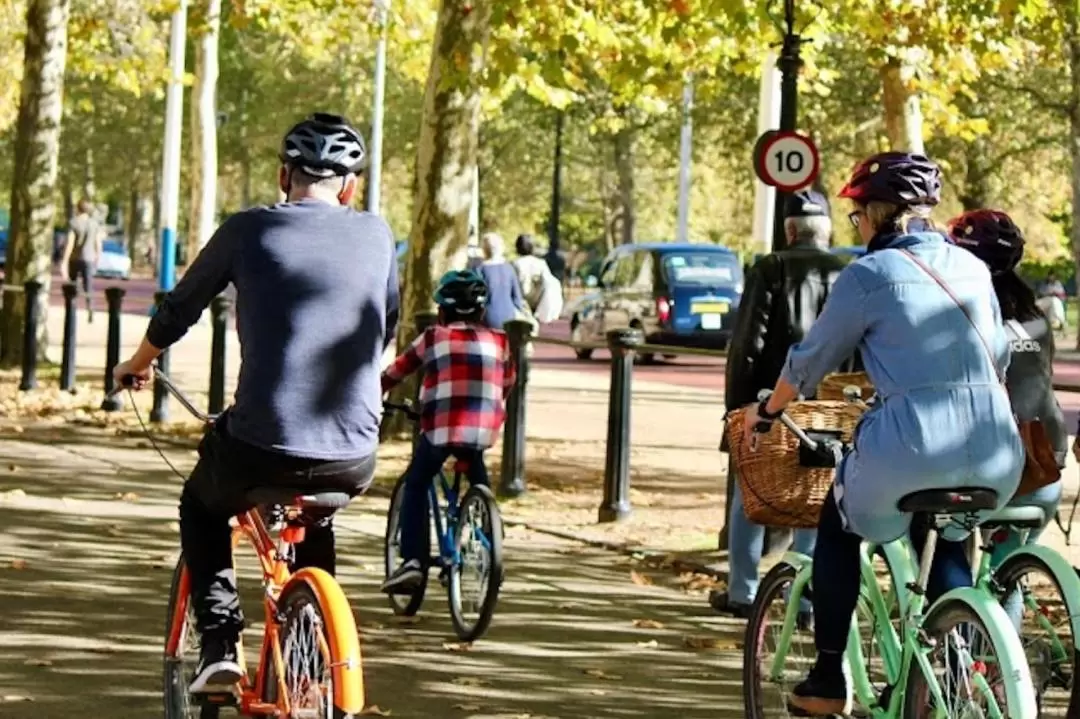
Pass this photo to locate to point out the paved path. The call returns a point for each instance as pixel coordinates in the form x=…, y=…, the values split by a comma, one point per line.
x=90, y=537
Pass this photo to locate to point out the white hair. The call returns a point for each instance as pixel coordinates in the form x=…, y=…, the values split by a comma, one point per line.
x=814, y=229
x=493, y=246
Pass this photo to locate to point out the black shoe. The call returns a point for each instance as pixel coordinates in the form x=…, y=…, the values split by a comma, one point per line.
x=405, y=578
x=218, y=666
x=823, y=693
x=721, y=602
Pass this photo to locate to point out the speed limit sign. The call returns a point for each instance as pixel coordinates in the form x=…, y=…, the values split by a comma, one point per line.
x=787, y=161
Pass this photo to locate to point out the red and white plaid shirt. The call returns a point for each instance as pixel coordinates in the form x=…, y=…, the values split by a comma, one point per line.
x=467, y=375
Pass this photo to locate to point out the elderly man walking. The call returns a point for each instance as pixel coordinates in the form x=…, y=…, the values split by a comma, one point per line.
x=785, y=292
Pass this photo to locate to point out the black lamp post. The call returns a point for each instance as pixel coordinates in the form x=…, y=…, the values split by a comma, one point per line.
x=554, y=259
x=789, y=63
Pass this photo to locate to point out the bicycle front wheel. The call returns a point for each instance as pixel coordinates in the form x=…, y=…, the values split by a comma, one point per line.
x=320, y=651
x=181, y=652
x=477, y=573
x=405, y=605
x=765, y=694
x=969, y=669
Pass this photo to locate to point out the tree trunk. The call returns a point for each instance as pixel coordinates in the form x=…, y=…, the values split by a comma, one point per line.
x=1072, y=24
x=903, y=114
x=203, y=208
x=445, y=163
x=37, y=149
x=89, y=187
x=624, y=169
x=976, y=190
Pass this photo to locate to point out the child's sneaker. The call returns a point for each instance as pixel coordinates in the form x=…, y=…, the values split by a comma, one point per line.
x=405, y=578
x=218, y=666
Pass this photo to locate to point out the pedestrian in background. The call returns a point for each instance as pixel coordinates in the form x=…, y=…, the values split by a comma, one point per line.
x=82, y=250
x=505, y=301
x=785, y=292
x=540, y=288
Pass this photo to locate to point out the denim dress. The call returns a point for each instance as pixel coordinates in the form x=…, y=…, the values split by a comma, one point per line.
x=942, y=419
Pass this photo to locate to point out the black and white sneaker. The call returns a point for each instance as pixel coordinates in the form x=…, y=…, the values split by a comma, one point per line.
x=405, y=578
x=218, y=667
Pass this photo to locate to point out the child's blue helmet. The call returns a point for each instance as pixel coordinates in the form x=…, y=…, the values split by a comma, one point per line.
x=463, y=291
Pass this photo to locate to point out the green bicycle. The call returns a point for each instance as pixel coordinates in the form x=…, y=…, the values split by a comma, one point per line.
x=958, y=657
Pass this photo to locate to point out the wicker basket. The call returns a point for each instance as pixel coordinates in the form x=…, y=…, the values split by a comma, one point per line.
x=776, y=490
x=832, y=387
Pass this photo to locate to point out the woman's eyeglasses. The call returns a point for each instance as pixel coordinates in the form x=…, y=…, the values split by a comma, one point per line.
x=854, y=217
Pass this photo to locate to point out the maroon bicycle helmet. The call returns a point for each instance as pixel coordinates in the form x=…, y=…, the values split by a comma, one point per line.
x=899, y=178
x=990, y=235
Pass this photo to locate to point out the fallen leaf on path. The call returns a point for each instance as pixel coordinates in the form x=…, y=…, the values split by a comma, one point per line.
x=14, y=494
x=406, y=620
x=598, y=692
x=128, y=497
x=457, y=646
x=11, y=698
x=13, y=468
x=374, y=711
x=470, y=682
x=601, y=674
x=19, y=564
x=651, y=644
x=648, y=624
x=567, y=605
x=114, y=530
x=38, y=663
x=468, y=707
x=639, y=579
x=174, y=526
x=709, y=643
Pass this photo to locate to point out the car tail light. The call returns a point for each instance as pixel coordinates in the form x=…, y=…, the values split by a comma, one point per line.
x=663, y=309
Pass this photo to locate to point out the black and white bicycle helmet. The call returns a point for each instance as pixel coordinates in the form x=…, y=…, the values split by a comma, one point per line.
x=324, y=145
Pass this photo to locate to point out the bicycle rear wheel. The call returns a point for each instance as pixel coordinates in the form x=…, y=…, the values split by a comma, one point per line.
x=320, y=650
x=968, y=667
x=1031, y=595
x=403, y=604
x=478, y=547
x=765, y=696
x=182, y=653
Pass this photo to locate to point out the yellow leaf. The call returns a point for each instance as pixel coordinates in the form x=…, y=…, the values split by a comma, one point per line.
x=458, y=646
x=601, y=674
x=648, y=624
x=709, y=643
x=651, y=644
x=639, y=579
x=18, y=564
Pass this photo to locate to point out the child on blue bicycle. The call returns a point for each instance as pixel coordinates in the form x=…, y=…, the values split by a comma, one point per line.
x=467, y=373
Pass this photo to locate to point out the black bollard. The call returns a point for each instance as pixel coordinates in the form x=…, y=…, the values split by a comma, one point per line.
x=67, y=360
x=422, y=320
x=114, y=297
x=512, y=482
x=219, y=319
x=30, y=339
x=616, y=503
x=160, y=410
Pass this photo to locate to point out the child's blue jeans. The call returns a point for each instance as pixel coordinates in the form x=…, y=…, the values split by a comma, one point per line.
x=426, y=462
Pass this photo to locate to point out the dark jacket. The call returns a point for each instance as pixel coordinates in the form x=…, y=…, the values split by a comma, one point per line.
x=785, y=292
x=1029, y=380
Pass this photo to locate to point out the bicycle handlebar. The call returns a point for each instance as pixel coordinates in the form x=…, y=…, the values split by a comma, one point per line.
x=852, y=395
x=405, y=409
x=159, y=376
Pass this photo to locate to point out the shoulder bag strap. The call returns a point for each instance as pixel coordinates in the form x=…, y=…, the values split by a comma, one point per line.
x=937, y=278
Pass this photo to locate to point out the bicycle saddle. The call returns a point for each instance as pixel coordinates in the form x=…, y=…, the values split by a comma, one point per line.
x=303, y=497
x=949, y=501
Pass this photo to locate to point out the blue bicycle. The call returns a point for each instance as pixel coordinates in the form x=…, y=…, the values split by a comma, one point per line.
x=469, y=554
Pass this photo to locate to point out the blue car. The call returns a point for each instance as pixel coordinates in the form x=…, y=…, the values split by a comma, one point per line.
x=681, y=295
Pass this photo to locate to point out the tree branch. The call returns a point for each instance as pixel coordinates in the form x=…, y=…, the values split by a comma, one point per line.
x=1036, y=144
x=1036, y=94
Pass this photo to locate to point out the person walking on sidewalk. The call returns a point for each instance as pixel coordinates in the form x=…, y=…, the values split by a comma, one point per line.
x=785, y=292
x=82, y=251
x=317, y=305
x=504, y=300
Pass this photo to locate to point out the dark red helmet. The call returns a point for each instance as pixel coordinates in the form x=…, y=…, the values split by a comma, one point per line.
x=991, y=236
x=899, y=178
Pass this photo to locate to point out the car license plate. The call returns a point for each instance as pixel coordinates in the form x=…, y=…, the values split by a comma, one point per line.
x=711, y=321
x=718, y=308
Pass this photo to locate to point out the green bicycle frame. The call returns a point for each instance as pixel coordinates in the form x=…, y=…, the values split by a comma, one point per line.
x=899, y=651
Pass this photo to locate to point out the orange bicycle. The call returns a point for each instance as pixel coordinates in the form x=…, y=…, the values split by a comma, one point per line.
x=309, y=665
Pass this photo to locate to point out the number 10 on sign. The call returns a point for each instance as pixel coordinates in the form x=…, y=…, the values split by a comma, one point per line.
x=787, y=161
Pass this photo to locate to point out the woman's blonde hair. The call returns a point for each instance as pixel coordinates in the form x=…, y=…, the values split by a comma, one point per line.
x=492, y=245
x=880, y=214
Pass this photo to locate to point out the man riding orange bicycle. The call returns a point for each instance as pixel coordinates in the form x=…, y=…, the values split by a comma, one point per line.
x=317, y=304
